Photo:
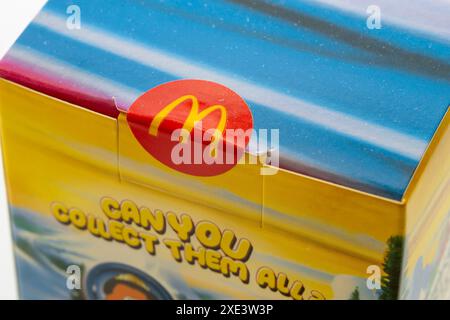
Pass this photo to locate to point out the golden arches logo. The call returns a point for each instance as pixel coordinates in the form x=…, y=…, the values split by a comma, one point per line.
x=193, y=117
x=165, y=119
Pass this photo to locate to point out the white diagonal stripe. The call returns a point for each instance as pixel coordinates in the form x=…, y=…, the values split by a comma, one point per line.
x=373, y=134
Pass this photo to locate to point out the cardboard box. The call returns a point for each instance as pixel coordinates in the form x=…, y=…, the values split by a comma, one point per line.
x=356, y=207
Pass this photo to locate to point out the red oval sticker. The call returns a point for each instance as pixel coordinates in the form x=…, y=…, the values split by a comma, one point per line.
x=193, y=126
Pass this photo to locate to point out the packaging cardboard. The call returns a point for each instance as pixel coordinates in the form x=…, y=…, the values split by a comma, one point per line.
x=357, y=207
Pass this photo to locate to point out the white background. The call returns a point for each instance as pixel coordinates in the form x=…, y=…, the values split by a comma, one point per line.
x=14, y=17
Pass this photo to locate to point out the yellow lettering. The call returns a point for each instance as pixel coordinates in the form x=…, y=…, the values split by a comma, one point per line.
x=111, y=208
x=266, y=278
x=60, y=212
x=297, y=290
x=150, y=242
x=175, y=248
x=131, y=237
x=153, y=220
x=208, y=234
x=241, y=252
x=213, y=260
x=191, y=255
x=97, y=228
x=229, y=266
x=116, y=228
x=130, y=212
x=78, y=218
x=183, y=227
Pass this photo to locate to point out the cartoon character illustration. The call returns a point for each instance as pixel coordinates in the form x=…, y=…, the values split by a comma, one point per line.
x=127, y=287
x=114, y=281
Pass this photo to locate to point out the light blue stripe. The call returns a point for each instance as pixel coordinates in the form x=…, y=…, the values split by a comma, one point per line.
x=296, y=60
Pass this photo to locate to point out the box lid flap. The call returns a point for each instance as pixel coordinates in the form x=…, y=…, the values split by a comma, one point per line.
x=354, y=105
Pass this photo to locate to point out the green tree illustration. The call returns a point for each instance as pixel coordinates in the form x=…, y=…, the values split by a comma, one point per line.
x=355, y=294
x=390, y=282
